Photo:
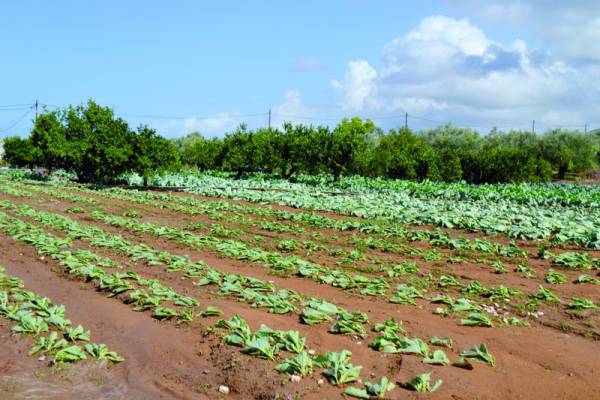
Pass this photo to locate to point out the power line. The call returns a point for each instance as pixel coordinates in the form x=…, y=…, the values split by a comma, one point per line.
x=405, y=116
x=16, y=108
x=232, y=116
x=15, y=105
x=228, y=116
x=17, y=121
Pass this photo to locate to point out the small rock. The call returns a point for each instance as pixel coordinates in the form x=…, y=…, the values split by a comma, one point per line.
x=42, y=358
x=295, y=378
x=205, y=372
x=359, y=343
x=320, y=382
x=223, y=389
x=312, y=352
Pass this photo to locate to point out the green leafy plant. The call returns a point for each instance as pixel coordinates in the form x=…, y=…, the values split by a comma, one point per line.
x=437, y=358
x=584, y=278
x=378, y=389
x=545, y=295
x=101, y=352
x=340, y=370
x=347, y=325
x=211, y=311
x=477, y=319
x=50, y=344
x=446, y=342
x=579, y=303
x=261, y=347
x=31, y=325
x=422, y=383
x=69, y=354
x=77, y=333
x=164, y=313
x=480, y=353
x=301, y=364
x=553, y=277
x=574, y=260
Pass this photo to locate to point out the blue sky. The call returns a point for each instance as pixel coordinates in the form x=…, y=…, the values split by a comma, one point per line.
x=475, y=63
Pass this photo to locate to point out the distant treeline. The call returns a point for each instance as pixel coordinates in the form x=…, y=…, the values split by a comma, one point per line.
x=356, y=147
x=98, y=146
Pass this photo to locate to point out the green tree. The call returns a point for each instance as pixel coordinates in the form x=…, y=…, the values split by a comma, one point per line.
x=403, y=155
x=99, y=144
x=49, y=137
x=303, y=149
x=152, y=153
x=20, y=152
x=238, y=151
x=201, y=153
x=570, y=151
x=351, y=141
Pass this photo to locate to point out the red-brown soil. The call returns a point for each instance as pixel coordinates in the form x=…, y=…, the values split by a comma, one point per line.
x=163, y=360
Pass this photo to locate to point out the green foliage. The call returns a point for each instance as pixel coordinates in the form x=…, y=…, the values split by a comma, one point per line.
x=578, y=303
x=437, y=358
x=69, y=354
x=422, y=383
x=477, y=319
x=574, y=260
x=378, y=389
x=261, y=347
x=436, y=341
x=340, y=370
x=101, y=352
x=554, y=278
x=480, y=353
x=92, y=142
x=152, y=153
x=20, y=152
x=301, y=365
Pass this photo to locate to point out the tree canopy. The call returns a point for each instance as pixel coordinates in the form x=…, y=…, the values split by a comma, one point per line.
x=98, y=146
x=92, y=142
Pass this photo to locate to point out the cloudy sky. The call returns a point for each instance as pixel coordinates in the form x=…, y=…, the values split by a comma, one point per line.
x=181, y=66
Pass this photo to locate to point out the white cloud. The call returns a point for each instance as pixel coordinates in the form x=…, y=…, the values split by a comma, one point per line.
x=292, y=109
x=216, y=125
x=336, y=84
x=358, y=84
x=447, y=69
x=570, y=28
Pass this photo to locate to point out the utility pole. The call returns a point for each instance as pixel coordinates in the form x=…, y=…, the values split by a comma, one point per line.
x=269, y=118
x=533, y=126
x=585, y=128
x=406, y=121
x=36, y=109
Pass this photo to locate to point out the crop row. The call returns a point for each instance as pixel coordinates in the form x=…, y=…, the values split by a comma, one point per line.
x=45, y=321
x=266, y=342
x=404, y=294
x=142, y=294
x=214, y=210
x=578, y=225
x=254, y=291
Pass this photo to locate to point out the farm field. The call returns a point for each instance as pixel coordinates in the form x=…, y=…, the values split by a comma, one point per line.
x=268, y=289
